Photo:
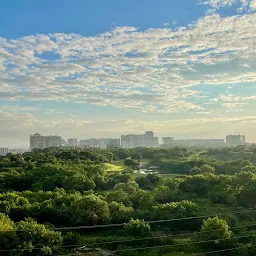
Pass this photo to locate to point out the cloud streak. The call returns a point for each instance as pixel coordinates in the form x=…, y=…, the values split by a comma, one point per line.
x=243, y=5
x=153, y=70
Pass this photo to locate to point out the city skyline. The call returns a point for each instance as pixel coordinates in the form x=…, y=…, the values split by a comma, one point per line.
x=138, y=140
x=185, y=69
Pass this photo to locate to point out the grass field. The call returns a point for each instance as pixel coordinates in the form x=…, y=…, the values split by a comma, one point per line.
x=115, y=166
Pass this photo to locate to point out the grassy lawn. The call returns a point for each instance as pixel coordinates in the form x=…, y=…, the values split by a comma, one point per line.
x=115, y=166
x=118, y=166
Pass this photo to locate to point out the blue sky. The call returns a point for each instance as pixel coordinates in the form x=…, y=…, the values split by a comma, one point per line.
x=80, y=68
x=28, y=17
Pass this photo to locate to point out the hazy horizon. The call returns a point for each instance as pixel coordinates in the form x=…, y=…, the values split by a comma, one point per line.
x=185, y=69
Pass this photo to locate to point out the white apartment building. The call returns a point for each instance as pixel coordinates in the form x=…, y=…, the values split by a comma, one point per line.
x=40, y=142
x=4, y=151
x=139, y=140
x=235, y=139
x=72, y=143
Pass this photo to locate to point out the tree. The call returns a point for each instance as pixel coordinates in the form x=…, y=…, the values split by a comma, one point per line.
x=27, y=235
x=119, y=212
x=131, y=163
x=137, y=228
x=7, y=227
x=149, y=181
x=205, y=168
x=119, y=196
x=90, y=210
x=195, y=170
x=201, y=185
x=72, y=238
x=129, y=187
x=14, y=204
x=247, y=195
x=171, y=210
x=215, y=229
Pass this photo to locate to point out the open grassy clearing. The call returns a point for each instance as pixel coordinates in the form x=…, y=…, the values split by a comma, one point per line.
x=115, y=166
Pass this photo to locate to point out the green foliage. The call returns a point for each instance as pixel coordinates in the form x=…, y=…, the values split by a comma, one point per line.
x=72, y=238
x=205, y=168
x=137, y=228
x=90, y=210
x=217, y=232
x=247, y=195
x=148, y=181
x=214, y=229
x=120, y=213
x=24, y=236
x=70, y=187
x=131, y=163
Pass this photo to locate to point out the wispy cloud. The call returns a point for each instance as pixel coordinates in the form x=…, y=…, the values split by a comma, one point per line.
x=243, y=5
x=154, y=70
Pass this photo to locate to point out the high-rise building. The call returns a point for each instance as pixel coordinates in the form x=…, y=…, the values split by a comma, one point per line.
x=64, y=143
x=167, y=140
x=4, y=151
x=113, y=143
x=235, y=139
x=139, y=140
x=150, y=140
x=41, y=142
x=92, y=143
x=72, y=143
x=99, y=143
x=36, y=141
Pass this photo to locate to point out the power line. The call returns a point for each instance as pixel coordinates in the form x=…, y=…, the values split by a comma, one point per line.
x=167, y=236
x=155, y=221
x=218, y=251
x=130, y=249
x=209, y=252
x=173, y=245
x=149, y=222
x=224, y=250
x=164, y=236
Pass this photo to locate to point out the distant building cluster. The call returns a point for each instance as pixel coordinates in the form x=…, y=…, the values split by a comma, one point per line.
x=99, y=143
x=199, y=142
x=128, y=141
x=235, y=139
x=4, y=151
x=139, y=140
x=38, y=141
x=72, y=143
x=167, y=140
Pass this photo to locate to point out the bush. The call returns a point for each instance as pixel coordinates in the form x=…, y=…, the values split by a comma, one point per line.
x=137, y=228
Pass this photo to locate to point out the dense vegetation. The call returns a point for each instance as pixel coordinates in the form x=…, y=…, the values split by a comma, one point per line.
x=208, y=196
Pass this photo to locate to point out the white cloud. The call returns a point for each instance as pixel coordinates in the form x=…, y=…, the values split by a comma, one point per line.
x=253, y=5
x=17, y=109
x=233, y=103
x=151, y=71
x=243, y=5
x=216, y=4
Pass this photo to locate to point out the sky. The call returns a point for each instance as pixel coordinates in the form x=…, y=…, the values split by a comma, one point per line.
x=100, y=68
